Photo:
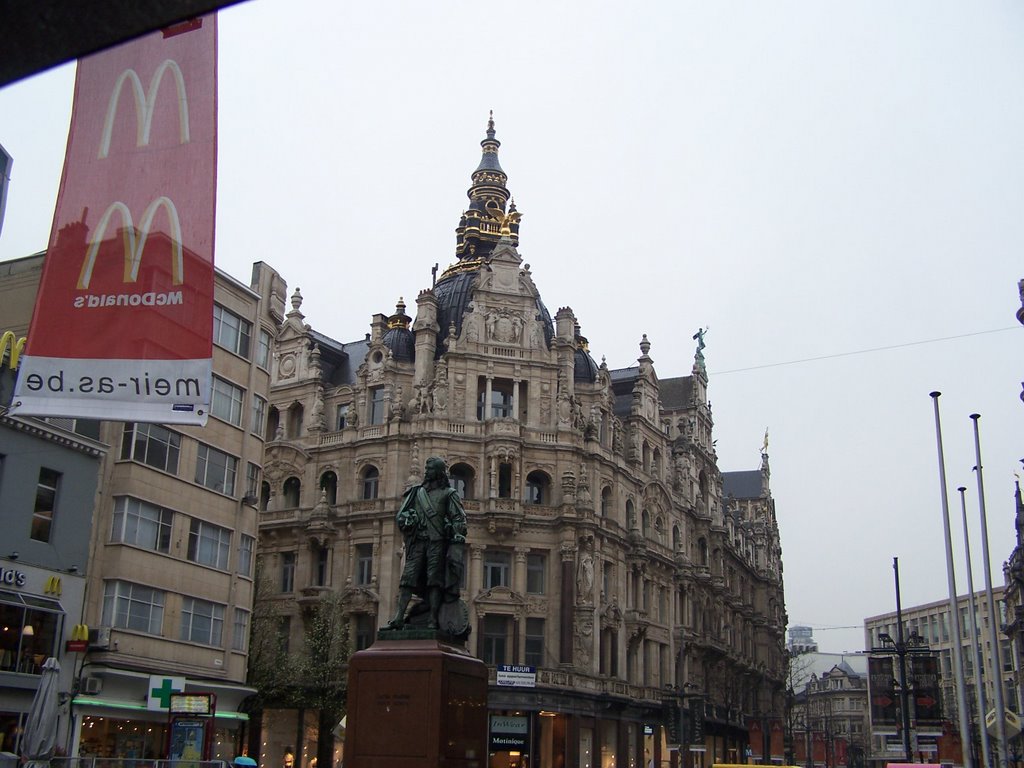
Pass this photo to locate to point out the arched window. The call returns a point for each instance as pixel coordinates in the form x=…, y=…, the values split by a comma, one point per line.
x=462, y=479
x=292, y=491
x=606, y=501
x=702, y=552
x=702, y=481
x=645, y=519
x=630, y=515
x=329, y=483
x=538, y=488
x=371, y=481
x=677, y=539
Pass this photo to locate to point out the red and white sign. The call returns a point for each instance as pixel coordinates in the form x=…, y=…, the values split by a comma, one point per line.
x=124, y=317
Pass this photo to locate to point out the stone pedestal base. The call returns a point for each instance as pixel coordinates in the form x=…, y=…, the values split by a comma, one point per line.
x=415, y=702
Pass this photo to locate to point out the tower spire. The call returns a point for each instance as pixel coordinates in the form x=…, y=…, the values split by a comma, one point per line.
x=489, y=215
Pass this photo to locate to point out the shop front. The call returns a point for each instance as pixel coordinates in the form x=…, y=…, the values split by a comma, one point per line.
x=35, y=604
x=558, y=730
x=126, y=715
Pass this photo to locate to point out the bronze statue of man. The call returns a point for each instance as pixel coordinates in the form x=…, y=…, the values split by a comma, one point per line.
x=433, y=522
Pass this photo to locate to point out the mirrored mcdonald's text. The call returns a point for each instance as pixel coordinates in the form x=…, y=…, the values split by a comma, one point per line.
x=148, y=299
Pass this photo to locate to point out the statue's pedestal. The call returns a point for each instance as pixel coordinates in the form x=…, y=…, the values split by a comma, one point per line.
x=416, y=701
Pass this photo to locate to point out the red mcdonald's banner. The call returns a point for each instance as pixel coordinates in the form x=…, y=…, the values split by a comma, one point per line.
x=124, y=317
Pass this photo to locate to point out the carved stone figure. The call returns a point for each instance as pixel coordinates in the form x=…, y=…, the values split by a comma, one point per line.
x=585, y=578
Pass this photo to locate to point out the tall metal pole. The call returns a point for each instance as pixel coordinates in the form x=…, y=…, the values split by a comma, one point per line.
x=901, y=655
x=979, y=682
x=993, y=618
x=958, y=657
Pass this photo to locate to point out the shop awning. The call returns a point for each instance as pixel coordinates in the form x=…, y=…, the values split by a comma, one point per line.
x=88, y=701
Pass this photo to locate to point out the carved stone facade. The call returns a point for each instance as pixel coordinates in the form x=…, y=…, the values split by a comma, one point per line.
x=603, y=550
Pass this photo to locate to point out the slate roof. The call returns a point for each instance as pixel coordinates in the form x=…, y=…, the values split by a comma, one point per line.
x=745, y=484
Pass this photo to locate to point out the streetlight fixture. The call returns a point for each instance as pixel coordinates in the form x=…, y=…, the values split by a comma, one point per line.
x=901, y=647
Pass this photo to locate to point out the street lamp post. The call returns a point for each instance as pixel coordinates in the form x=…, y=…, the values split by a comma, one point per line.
x=901, y=647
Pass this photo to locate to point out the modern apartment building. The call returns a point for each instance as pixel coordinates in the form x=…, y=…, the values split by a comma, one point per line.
x=171, y=555
x=930, y=626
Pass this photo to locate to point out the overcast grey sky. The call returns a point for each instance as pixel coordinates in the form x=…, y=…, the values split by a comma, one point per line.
x=808, y=178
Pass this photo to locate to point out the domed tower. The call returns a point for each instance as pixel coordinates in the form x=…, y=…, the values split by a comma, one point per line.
x=490, y=221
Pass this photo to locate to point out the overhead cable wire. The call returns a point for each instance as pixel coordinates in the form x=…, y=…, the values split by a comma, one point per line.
x=867, y=351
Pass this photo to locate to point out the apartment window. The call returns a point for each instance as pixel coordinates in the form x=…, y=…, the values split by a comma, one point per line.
x=132, y=606
x=377, y=405
x=46, y=502
x=141, y=524
x=371, y=481
x=151, y=445
x=534, y=642
x=226, y=403
x=495, y=637
x=231, y=332
x=497, y=566
x=246, y=546
x=287, y=571
x=536, y=571
x=201, y=621
x=364, y=563
x=240, y=630
x=216, y=470
x=209, y=544
x=252, y=480
x=259, y=415
x=263, y=350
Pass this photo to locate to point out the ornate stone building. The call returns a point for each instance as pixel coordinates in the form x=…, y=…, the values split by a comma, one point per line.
x=607, y=551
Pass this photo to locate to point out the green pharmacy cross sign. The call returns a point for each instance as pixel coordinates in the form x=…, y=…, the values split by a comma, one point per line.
x=160, y=690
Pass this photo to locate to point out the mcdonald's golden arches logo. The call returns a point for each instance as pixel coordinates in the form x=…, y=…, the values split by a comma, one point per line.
x=80, y=632
x=133, y=247
x=16, y=345
x=52, y=586
x=145, y=102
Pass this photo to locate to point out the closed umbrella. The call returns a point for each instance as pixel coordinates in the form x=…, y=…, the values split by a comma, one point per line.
x=40, y=737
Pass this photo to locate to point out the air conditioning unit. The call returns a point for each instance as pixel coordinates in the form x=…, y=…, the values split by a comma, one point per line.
x=99, y=639
x=92, y=685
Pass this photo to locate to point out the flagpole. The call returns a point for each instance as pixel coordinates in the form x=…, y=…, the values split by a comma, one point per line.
x=996, y=657
x=978, y=662
x=958, y=657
